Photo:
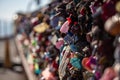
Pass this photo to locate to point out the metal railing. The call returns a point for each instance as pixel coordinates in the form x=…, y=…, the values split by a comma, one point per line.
x=6, y=33
x=7, y=30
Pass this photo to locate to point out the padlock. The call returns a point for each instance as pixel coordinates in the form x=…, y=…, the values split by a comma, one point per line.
x=75, y=29
x=76, y=62
x=117, y=6
x=59, y=43
x=70, y=38
x=65, y=27
x=74, y=48
x=112, y=25
x=109, y=74
x=108, y=9
x=84, y=61
x=90, y=63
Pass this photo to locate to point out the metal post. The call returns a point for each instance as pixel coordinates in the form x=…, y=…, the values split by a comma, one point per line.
x=7, y=63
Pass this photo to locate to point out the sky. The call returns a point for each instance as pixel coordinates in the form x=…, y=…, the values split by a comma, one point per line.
x=8, y=8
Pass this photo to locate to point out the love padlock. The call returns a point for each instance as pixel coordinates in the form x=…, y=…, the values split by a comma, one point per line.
x=109, y=74
x=112, y=25
x=89, y=63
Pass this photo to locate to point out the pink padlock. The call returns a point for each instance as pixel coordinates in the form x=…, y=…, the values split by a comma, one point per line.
x=65, y=27
x=109, y=74
x=60, y=43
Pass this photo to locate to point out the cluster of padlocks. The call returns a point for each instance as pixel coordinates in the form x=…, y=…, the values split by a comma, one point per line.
x=73, y=40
